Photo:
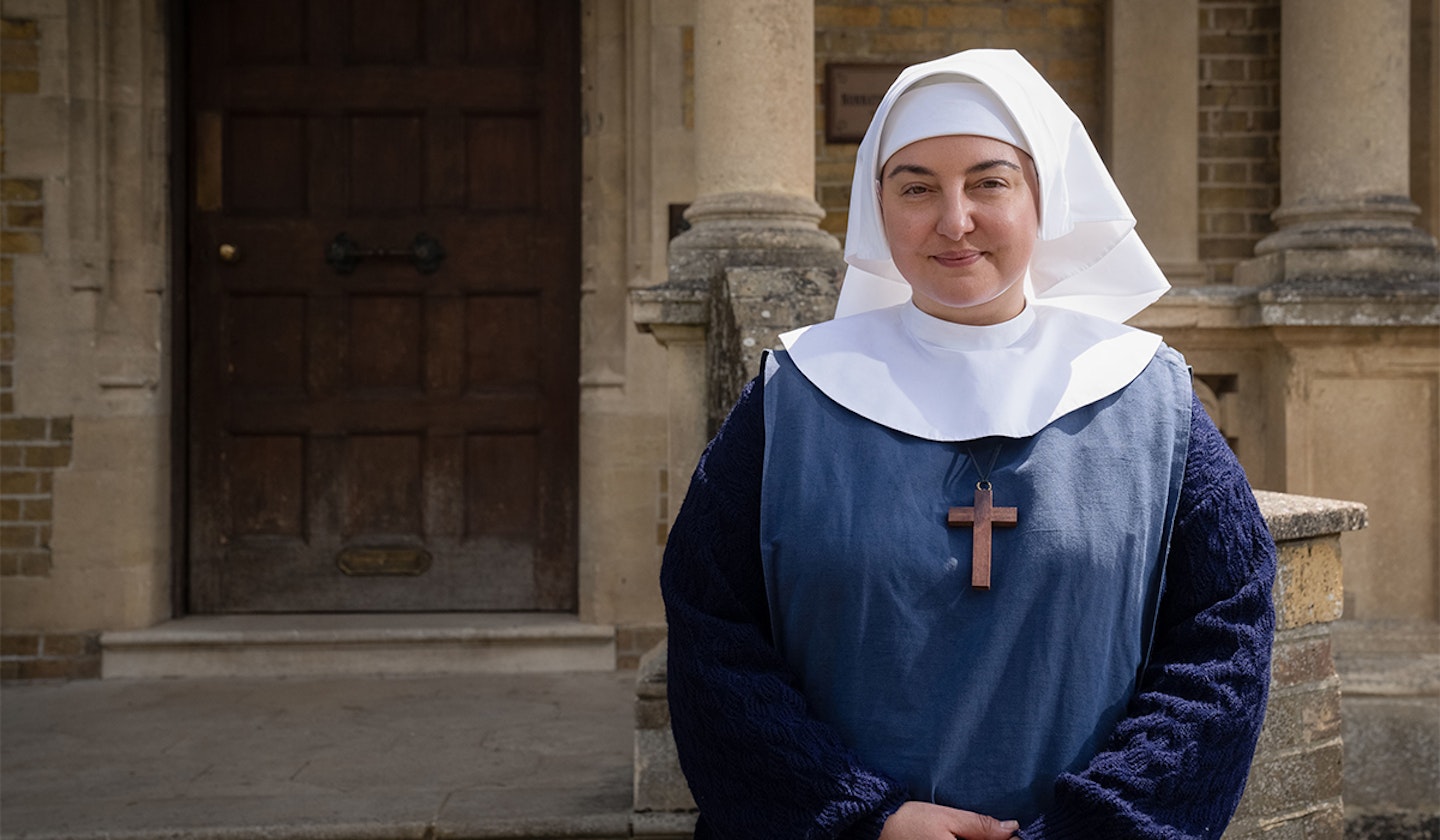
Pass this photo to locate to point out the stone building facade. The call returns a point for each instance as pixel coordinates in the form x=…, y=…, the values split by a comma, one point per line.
x=1282, y=157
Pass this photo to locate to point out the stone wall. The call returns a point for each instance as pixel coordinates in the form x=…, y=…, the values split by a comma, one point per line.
x=32, y=448
x=84, y=408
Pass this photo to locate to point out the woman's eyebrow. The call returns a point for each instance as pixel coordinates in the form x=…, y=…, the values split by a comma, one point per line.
x=991, y=164
x=916, y=169
x=912, y=168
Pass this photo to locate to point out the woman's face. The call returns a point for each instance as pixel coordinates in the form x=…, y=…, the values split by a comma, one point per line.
x=960, y=216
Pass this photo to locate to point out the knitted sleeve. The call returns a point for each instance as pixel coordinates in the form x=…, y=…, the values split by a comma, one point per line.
x=758, y=764
x=1176, y=764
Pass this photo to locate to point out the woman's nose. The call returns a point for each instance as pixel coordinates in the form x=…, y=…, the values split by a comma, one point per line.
x=955, y=218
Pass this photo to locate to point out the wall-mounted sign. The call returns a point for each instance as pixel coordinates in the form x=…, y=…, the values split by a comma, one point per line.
x=852, y=92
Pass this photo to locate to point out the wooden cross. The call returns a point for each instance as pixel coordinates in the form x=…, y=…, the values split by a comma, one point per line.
x=981, y=517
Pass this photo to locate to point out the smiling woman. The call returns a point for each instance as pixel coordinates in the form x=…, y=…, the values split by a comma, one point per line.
x=895, y=608
x=961, y=218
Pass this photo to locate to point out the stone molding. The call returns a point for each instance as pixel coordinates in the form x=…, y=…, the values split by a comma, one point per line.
x=1294, y=517
x=1374, y=221
x=1319, y=300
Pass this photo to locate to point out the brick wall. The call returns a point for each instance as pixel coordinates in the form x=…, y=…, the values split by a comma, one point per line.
x=31, y=448
x=1239, y=148
x=1064, y=39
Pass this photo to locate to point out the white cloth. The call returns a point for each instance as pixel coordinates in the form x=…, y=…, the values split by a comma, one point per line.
x=891, y=363
x=933, y=110
x=939, y=380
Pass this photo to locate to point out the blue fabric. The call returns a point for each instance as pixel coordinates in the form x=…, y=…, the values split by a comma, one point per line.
x=762, y=765
x=871, y=603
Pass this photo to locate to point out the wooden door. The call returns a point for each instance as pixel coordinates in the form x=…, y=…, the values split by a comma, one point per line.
x=374, y=426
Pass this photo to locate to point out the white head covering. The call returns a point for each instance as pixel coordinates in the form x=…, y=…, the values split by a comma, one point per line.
x=944, y=105
x=1088, y=257
x=886, y=360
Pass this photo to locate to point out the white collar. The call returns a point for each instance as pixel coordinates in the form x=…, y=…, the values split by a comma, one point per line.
x=938, y=380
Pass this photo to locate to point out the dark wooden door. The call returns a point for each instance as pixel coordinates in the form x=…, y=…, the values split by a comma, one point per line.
x=376, y=431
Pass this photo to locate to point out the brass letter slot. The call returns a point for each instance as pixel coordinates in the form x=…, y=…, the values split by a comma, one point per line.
x=370, y=562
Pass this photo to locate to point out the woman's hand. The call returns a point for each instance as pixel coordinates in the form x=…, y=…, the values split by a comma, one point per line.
x=927, y=821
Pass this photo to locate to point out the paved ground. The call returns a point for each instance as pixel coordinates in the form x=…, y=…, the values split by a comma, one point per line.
x=545, y=755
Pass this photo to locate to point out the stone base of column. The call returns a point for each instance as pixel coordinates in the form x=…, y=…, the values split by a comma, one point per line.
x=748, y=264
x=1346, y=262
x=1377, y=267
x=750, y=229
x=1365, y=222
x=734, y=230
x=1307, y=288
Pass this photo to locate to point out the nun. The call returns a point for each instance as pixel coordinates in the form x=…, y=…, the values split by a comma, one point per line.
x=970, y=560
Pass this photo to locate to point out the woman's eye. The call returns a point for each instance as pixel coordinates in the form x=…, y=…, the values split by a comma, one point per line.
x=912, y=189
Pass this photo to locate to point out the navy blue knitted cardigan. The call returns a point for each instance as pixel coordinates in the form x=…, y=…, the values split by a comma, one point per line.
x=760, y=766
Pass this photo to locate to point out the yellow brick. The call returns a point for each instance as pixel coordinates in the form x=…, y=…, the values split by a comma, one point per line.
x=20, y=243
x=47, y=456
x=1307, y=587
x=19, y=81
x=1070, y=69
x=20, y=54
x=1024, y=18
x=19, y=536
x=922, y=42
x=839, y=169
x=947, y=17
x=1070, y=17
x=37, y=510
x=906, y=16
x=850, y=16
x=16, y=29
x=25, y=216
x=968, y=18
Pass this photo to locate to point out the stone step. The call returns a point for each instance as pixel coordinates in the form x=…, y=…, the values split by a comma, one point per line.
x=296, y=645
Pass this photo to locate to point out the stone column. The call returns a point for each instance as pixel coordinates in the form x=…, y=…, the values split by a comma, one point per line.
x=1153, y=81
x=754, y=128
x=754, y=208
x=1345, y=150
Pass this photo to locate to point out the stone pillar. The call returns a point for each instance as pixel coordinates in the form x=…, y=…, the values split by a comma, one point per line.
x=754, y=128
x=754, y=208
x=1345, y=207
x=1153, y=81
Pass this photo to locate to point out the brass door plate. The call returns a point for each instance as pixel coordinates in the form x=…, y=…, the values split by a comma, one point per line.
x=373, y=562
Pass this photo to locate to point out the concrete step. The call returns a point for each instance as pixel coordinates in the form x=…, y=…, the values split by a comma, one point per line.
x=310, y=645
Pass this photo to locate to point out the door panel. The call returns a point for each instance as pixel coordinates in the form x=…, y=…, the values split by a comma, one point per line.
x=365, y=434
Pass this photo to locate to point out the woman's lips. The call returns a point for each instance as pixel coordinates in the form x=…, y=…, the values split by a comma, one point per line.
x=957, y=259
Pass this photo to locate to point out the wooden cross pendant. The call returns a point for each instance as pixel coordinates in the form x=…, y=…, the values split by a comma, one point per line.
x=981, y=517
